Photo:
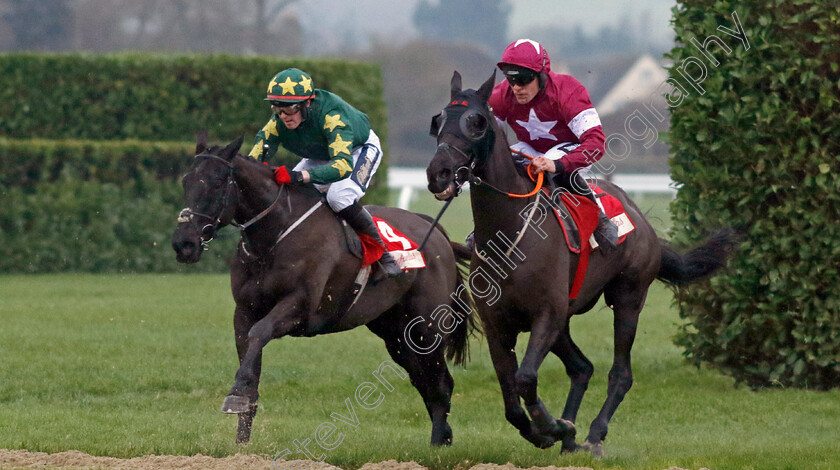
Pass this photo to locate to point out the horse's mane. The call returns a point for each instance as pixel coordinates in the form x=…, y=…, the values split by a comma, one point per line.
x=498, y=129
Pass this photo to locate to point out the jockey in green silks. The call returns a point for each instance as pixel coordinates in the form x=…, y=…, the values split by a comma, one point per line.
x=339, y=151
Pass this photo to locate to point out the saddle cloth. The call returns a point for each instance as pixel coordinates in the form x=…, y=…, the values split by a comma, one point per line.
x=402, y=249
x=578, y=217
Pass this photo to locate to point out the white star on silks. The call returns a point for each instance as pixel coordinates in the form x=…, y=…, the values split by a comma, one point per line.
x=537, y=129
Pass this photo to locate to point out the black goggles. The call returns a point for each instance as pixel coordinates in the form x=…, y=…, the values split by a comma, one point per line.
x=521, y=79
x=284, y=108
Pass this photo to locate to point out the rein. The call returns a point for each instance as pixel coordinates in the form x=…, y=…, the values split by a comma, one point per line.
x=478, y=181
x=469, y=176
x=188, y=214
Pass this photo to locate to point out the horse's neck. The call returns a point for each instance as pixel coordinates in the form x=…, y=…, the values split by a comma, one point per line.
x=500, y=171
x=258, y=192
x=493, y=210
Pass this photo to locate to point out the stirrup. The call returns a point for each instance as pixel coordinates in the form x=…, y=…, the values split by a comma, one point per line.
x=470, y=241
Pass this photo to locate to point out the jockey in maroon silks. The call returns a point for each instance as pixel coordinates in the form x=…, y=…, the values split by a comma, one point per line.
x=555, y=122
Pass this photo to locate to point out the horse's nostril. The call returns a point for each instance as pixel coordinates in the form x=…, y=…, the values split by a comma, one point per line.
x=183, y=246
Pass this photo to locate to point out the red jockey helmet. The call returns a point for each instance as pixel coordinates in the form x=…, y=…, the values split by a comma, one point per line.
x=526, y=53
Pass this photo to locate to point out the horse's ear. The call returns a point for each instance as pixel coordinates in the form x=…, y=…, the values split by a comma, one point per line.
x=200, y=141
x=487, y=87
x=455, y=84
x=230, y=151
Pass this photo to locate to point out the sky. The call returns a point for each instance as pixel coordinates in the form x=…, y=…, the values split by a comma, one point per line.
x=591, y=15
x=356, y=21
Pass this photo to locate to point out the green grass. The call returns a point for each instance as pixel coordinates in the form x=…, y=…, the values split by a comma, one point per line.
x=133, y=365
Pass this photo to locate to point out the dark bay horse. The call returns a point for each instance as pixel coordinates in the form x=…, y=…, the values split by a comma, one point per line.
x=294, y=275
x=533, y=270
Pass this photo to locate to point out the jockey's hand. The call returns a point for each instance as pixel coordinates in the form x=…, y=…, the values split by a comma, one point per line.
x=284, y=176
x=541, y=164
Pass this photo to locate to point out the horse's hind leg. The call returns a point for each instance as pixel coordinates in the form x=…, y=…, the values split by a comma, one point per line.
x=427, y=372
x=579, y=370
x=627, y=298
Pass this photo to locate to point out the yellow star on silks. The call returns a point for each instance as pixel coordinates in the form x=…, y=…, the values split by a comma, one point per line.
x=288, y=86
x=271, y=85
x=342, y=166
x=340, y=146
x=331, y=122
x=270, y=129
x=307, y=83
x=257, y=150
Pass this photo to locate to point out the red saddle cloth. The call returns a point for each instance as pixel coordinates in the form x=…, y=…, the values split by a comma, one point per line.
x=401, y=247
x=584, y=215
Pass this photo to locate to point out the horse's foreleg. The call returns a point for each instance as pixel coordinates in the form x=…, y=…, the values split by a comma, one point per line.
x=279, y=322
x=626, y=317
x=544, y=332
x=579, y=370
x=242, y=324
x=503, y=354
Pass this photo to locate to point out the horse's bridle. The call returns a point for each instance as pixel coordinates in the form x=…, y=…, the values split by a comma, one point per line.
x=465, y=173
x=205, y=236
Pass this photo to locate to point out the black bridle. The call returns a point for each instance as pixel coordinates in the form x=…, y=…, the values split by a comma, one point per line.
x=481, y=147
x=464, y=173
x=215, y=222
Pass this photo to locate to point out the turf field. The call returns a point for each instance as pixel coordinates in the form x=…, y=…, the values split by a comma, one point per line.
x=131, y=365
x=134, y=365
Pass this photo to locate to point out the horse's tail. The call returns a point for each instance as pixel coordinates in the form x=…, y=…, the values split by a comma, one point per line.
x=682, y=268
x=457, y=347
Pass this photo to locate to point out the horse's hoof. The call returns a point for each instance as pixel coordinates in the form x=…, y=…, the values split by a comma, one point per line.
x=444, y=443
x=540, y=441
x=562, y=430
x=570, y=445
x=596, y=449
x=235, y=404
x=444, y=439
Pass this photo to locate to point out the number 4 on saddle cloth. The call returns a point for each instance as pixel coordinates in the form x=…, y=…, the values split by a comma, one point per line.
x=402, y=249
x=578, y=216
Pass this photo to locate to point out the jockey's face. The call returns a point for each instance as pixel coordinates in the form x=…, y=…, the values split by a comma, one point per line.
x=290, y=115
x=525, y=93
x=293, y=121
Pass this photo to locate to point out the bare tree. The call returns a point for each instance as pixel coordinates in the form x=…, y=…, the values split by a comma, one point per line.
x=267, y=27
x=36, y=26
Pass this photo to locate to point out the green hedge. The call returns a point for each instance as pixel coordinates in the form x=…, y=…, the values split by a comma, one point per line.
x=168, y=98
x=94, y=206
x=152, y=97
x=97, y=188
x=758, y=150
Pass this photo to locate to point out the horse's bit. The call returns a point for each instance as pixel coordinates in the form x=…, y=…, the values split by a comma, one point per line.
x=187, y=214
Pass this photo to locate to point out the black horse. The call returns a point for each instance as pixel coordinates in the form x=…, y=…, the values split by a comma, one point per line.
x=534, y=271
x=294, y=275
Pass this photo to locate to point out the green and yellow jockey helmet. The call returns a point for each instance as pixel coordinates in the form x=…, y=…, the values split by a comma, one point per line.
x=290, y=86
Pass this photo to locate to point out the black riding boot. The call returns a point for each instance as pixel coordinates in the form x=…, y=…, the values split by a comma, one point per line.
x=606, y=233
x=360, y=220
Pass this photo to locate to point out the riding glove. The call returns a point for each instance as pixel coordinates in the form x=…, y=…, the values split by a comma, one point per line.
x=283, y=176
